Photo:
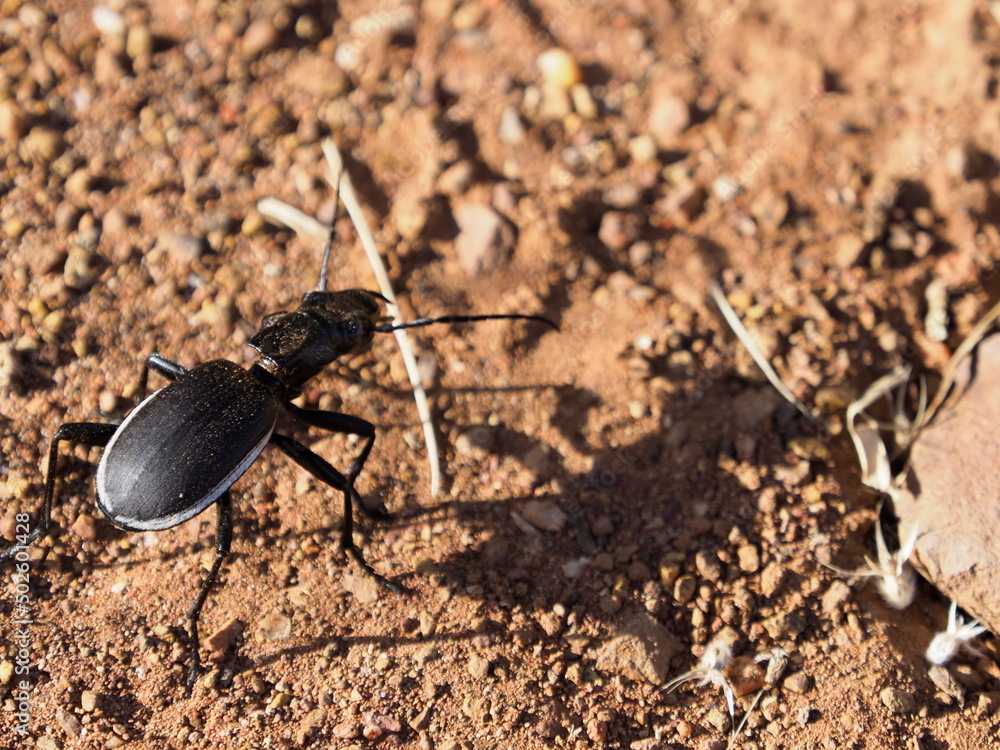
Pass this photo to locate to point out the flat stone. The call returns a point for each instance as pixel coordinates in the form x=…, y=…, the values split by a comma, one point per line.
x=950, y=491
x=220, y=641
x=274, y=626
x=898, y=701
x=641, y=650
x=799, y=683
x=485, y=240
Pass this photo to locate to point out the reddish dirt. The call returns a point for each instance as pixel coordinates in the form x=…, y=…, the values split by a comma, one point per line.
x=824, y=164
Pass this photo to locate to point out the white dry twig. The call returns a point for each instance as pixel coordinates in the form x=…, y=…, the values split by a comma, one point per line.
x=867, y=437
x=298, y=221
x=956, y=636
x=897, y=581
x=719, y=297
x=710, y=668
x=338, y=173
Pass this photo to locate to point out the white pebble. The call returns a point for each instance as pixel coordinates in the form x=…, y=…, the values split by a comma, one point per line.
x=108, y=21
x=559, y=68
x=544, y=515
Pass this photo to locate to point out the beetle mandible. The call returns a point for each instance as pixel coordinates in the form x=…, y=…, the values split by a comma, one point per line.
x=181, y=449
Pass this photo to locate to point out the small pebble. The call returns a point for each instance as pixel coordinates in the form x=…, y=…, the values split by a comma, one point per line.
x=718, y=718
x=618, y=229
x=745, y=675
x=77, y=271
x=222, y=639
x=455, y=179
x=270, y=122
x=772, y=579
x=308, y=28
x=180, y=247
x=14, y=228
x=485, y=240
x=89, y=701
x=898, y=701
x=274, y=626
x=422, y=720
x=139, y=42
x=597, y=730
x=69, y=723
x=784, y=625
x=511, y=129
x=559, y=68
x=835, y=597
x=108, y=21
x=13, y=121
x=799, y=683
x=43, y=144
x=84, y=527
x=708, y=564
x=748, y=557
x=544, y=515
x=476, y=442
x=944, y=681
x=641, y=650
x=684, y=589
x=364, y=588
x=642, y=148
x=622, y=196
x=602, y=526
x=280, y=700
x=583, y=102
x=669, y=116
x=259, y=37
x=769, y=208
x=725, y=188
x=479, y=667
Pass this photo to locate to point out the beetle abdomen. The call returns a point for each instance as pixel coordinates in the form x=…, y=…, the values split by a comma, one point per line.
x=185, y=445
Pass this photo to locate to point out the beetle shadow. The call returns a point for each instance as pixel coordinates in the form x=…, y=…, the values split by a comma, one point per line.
x=652, y=491
x=659, y=493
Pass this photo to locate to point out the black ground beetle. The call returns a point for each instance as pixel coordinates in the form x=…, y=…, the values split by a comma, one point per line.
x=182, y=448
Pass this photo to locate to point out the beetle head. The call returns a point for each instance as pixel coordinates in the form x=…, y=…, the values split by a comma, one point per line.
x=296, y=345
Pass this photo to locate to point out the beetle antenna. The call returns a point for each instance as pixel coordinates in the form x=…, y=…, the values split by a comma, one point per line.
x=386, y=327
x=329, y=240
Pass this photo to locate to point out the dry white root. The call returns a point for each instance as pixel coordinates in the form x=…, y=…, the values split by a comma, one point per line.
x=710, y=668
x=958, y=634
x=340, y=180
x=866, y=433
x=897, y=581
x=719, y=297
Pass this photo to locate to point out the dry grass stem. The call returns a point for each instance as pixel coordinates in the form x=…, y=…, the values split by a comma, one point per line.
x=348, y=196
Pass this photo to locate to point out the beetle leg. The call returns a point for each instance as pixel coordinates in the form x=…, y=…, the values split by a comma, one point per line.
x=165, y=367
x=223, y=538
x=80, y=433
x=345, y=424
x=322, y=470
